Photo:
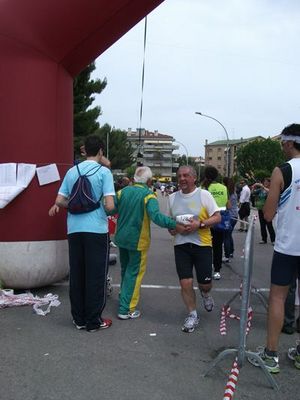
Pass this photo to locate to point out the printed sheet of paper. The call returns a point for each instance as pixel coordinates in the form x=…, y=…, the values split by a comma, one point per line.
x=47, y=174
x=14, y=178
x=8, y=174
x=25, y=174
x=8, y=193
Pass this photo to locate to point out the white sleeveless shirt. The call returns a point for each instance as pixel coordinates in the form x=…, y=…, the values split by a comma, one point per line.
x=288, y=221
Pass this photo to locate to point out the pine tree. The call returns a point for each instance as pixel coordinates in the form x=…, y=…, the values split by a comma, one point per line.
x=85, y=117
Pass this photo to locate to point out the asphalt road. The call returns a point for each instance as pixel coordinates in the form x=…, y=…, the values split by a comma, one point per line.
x=45, y=358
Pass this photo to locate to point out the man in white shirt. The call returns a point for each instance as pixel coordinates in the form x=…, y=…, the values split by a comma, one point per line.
x=194, y=249
x=283, y=198
x=244, y=210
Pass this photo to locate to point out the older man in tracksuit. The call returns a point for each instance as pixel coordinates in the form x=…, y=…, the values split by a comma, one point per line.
x=136, y=206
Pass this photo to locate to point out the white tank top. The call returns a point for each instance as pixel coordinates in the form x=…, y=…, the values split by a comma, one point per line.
x=288, y=221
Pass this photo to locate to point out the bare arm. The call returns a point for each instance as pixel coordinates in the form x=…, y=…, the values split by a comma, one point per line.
x=105, y=161
x=276, y=186
x=109, y=204
x=60, y=202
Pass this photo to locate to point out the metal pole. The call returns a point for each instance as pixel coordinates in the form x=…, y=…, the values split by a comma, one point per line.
x=227, y=140
x=187, y=156
x=107, y=145
x=107, y=141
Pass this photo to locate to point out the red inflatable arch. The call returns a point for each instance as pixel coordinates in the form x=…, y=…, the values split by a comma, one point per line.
x=43, y=45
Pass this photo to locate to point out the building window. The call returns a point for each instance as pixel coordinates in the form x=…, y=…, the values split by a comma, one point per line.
x=219, y=158
x=210, y=158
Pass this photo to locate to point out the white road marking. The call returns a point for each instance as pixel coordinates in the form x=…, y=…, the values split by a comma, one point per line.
x=171, y=287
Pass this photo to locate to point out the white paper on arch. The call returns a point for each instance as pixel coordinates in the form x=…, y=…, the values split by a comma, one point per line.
x=47, y=174
x=14, y=178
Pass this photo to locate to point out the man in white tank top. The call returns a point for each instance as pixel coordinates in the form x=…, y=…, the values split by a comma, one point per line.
x=283, y=198
x=193, y=250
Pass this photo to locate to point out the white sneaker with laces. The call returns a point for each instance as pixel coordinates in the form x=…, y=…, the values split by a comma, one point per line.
x=208, y=302
x=216, y=276
x=131, y=315
x=190, y=323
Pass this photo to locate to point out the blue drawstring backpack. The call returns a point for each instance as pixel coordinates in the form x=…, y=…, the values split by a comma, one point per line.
x=82, y=199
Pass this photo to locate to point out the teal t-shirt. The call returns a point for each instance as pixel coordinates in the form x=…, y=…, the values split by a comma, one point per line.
x=103, y=185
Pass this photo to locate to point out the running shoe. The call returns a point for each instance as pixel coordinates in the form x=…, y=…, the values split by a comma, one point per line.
x=208, y=303
x=190, y=323
x=131, y=315
x=294, y=356
x=270, y=362
x=105, y=323
x=78, y=326
x=225, y=260
x=217, y=276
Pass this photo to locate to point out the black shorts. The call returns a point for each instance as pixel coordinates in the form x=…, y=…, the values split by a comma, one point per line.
x=284, y=269
x=244, y=210
x=190, y=255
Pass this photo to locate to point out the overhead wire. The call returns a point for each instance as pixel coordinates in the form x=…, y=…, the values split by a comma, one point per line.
x=139, y=153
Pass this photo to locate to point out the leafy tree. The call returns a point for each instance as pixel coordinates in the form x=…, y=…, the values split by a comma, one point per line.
x=85, y=117
x=259, y=157
x=130, y=171
x=120, y=149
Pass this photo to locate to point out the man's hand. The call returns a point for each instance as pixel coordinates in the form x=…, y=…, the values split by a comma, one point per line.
x=53, y=210
x=172, y=232
x=82, y=151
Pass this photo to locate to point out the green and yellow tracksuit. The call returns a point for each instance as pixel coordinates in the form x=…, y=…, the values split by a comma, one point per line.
x=137, y=206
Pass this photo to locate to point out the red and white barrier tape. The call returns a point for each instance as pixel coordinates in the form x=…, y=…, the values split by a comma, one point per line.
x=234, y=373
x=226, y=313
x=232, y=381
x=8, y=299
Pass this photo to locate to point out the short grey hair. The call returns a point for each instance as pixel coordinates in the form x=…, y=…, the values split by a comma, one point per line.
x=142, y=175
x=191, y=169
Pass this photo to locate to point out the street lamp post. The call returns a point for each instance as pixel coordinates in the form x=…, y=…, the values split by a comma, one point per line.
x=187, y=157
x=107, y=141
x=227, y=140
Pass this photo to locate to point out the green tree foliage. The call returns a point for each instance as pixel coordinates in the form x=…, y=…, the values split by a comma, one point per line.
x=85, y=117
x=119, y=148
x=259, y=157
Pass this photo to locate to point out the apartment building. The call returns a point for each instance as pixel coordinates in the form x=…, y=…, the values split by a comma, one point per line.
x=222, y=154
x=157, y=151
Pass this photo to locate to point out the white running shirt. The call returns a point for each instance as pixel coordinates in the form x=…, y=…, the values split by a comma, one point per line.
x=201, y=204
x=288, y=222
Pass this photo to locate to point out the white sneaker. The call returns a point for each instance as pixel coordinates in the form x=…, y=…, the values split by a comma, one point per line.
x=190, y=323
x=208, y=303
x=216, y=276
x=131, y=315
x=225, y=260
x=112, y=244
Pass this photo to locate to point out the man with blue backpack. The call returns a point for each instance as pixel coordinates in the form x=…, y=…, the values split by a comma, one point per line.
x=81, y=193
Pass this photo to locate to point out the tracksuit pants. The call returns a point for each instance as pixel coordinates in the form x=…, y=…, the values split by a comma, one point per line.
x=88, y=257
x=133, y=267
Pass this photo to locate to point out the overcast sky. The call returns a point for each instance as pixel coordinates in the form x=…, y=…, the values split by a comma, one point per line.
x=235, y=60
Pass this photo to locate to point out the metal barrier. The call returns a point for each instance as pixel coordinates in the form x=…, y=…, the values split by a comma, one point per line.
x=240, y=353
